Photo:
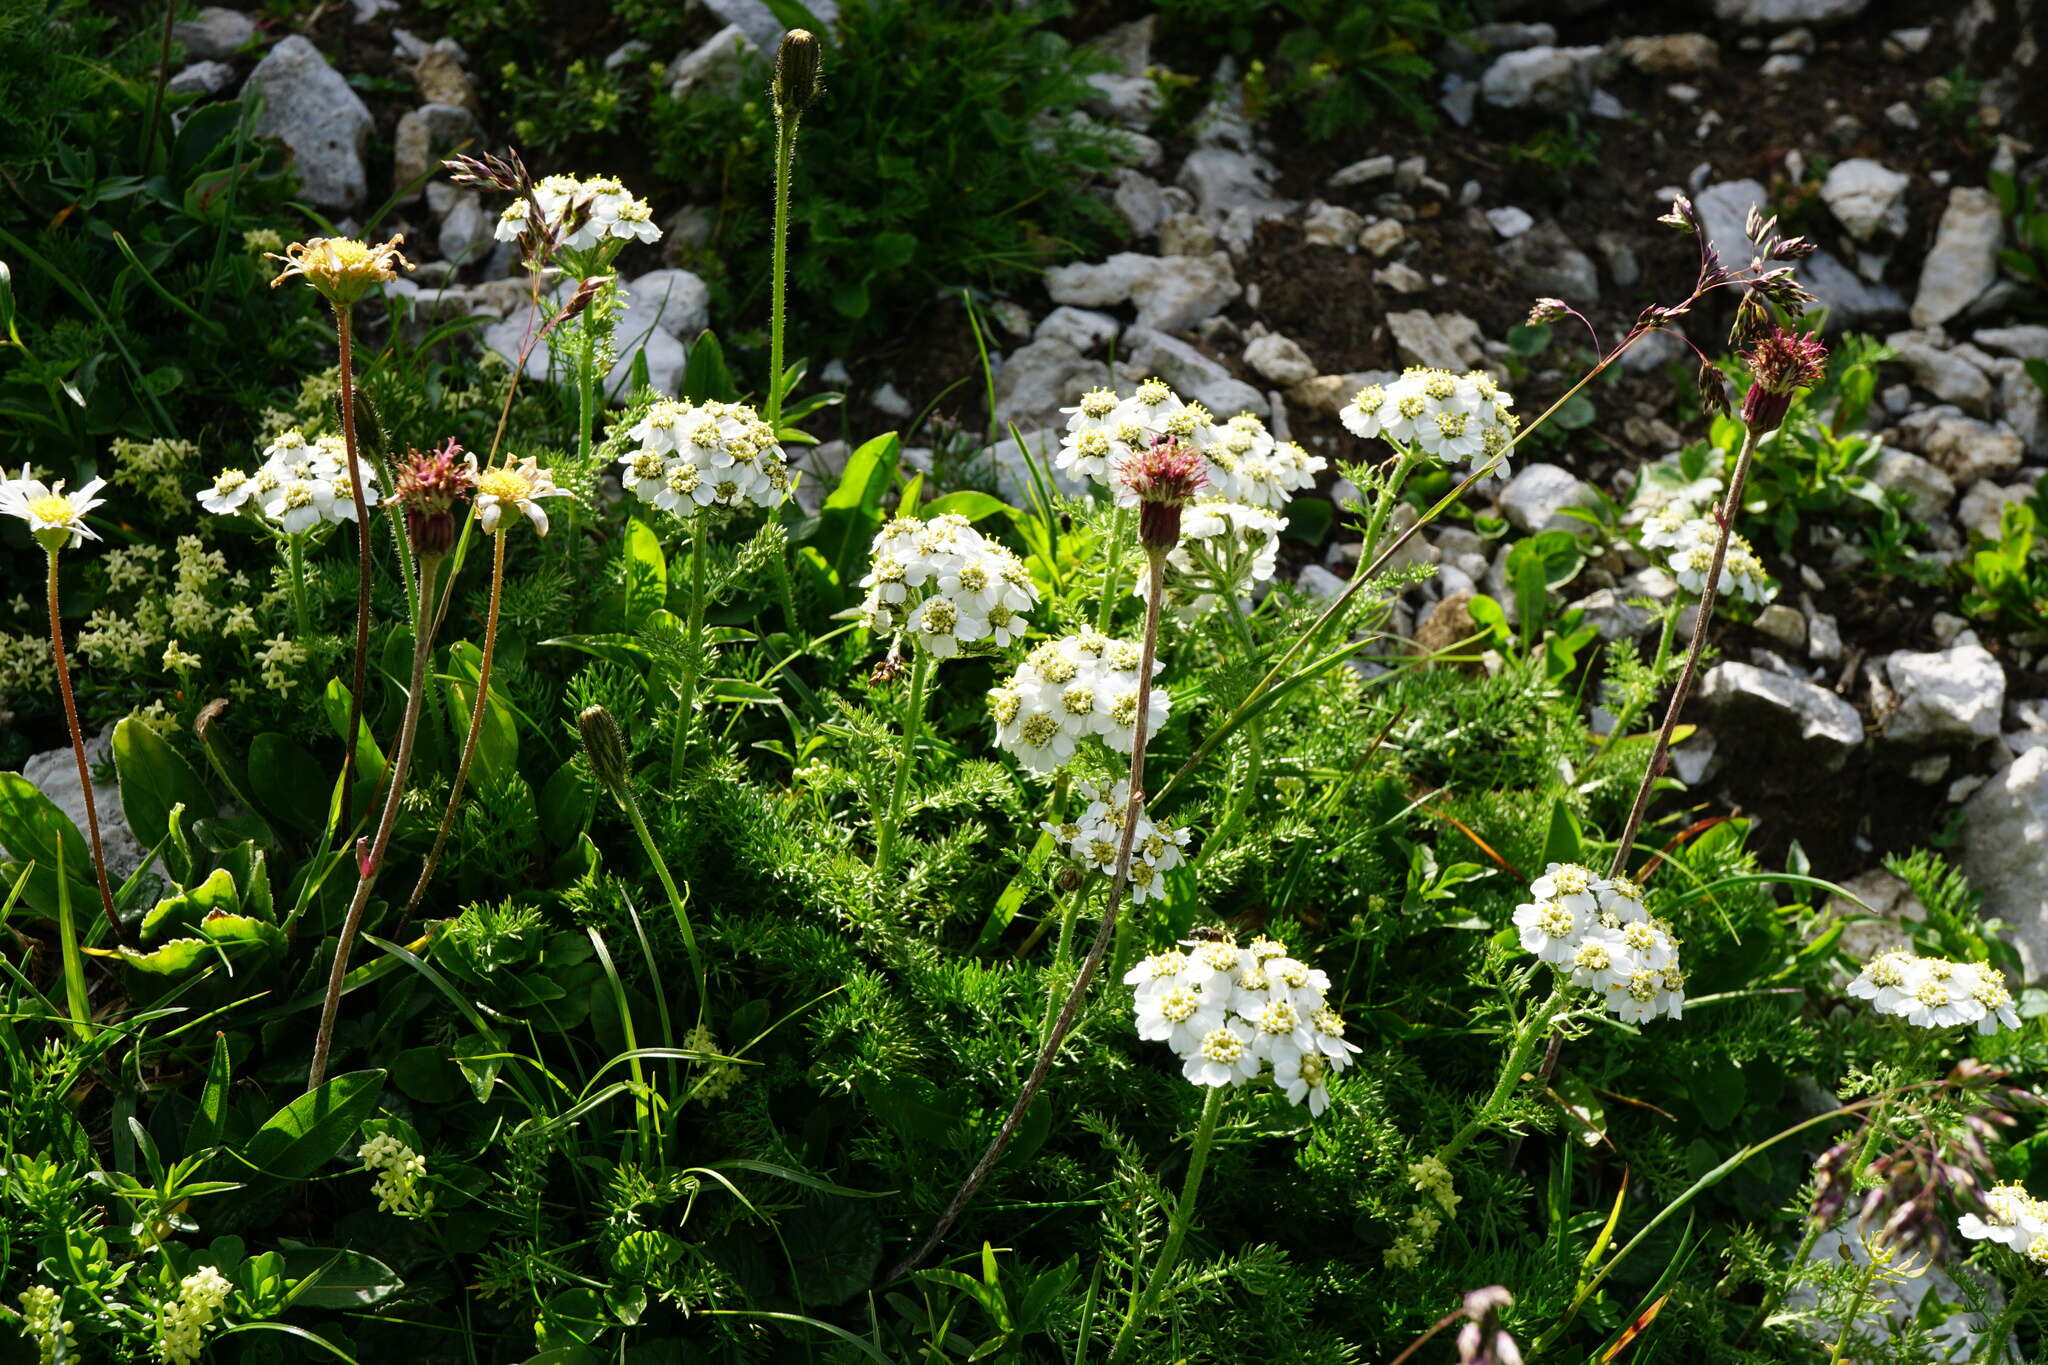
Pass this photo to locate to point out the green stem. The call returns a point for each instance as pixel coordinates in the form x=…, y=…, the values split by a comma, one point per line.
x=785, y=156
x=586, y=389
x=1062, y=954
x=913, y=721
x=1994, y=1345
x=372, y=861
x=298, y=566
x=1383, y=505
x=1533, y=1028
x=476, y=728
x=1177, y=1228
x=1777, y=1290
x=92, y=814
x=1112, y=568
x=676, y=903
x=694, y=642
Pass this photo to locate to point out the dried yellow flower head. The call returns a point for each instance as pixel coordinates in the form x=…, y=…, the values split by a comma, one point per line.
x=342, y=268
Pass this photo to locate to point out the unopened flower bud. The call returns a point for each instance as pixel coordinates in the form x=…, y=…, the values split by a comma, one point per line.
x=429, y=487
x=796, y=84
x=1162, y=479
x=1780, y=364
x=605, y=746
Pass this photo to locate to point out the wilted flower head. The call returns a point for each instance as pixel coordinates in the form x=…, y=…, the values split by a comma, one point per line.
x=1780, y=364
x=55, y=518
x=429, y=486
x=515, y=485
x=1482, y=1340
x=342, y=268
x=1162, y=478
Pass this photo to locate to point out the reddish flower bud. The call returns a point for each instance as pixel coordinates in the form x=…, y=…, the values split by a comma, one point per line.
x=1780, y=364
x=1162, y=479
x=429, y=486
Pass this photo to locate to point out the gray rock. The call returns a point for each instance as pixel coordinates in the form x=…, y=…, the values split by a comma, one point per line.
x=1192, y=374
x=1746, y=692
x=466, y=230
x=1782, y=65
x=688, y=230
x=717, y=66
x=1614, y=615
x=1669, y=54
x=1129, y=100
x=2023, y=406
x=1130, y=45
x=1982, y=509
x=1040, y=378
x=1186, y=234
x=1966, y=449
x=1724, y=211
x=1964, y=259
x=1823, y=638
x=632, y=52
x=2026, y=341
x=1954, y=695
x=1785, y=13
x=424, y=136
x=54, y=773
x=2005, y=853
x=1083, y=329
x=214, y=33
x=1401, y=278
x=1317, y=581
x=1141, y=200
x=662, y=307
x=1928, y=491
x=202, y=78
x=759, y=23
x=1783, y=624
x=1511, y=37
x=1867, y=198
x=1170, y=293
x=1444, y=341
x=314, y=112
x=1944, y=374
x=1279, y=360
x=1536, y=497
x=1852, y=302
x=1556, y=80
x=1363, y=172
x=1509, y=222
x=1653, y=351
x=1547, y=263
x=1332, y=225
x=1227, y=182
x=676, y=301
x=1382, y=237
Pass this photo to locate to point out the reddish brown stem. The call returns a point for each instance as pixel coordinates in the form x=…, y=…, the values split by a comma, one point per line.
x=1096, y=951
x=359, y=673
x=92, y=814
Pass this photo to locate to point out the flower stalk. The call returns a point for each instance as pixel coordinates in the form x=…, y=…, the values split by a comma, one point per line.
x=913, y=723
x=359, y=669
x=92, y=814
x=793, y=90
x=694, y=645
x=1183, y=1217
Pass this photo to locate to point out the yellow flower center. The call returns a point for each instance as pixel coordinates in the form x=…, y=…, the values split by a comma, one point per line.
x=54, y=510
x=507, y=485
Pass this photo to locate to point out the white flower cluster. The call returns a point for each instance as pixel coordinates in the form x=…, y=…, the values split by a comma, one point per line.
x=1068, y=689
x=1688, y=540
x=1225, y=547
x=2017, y=1220
x=1933, y=992
x=181, y=1321
x=399, y=1170
x=945, y=584
x=1245, y=463
x=600, y=208
x=1463, y=417
x=300, y=484
x=43, y=1322
x=1596, y=929
x=692, y=455
x=1229, y=1012
x=1097, y=835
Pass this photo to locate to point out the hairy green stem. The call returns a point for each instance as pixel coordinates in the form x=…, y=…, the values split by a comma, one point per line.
x=2029, y=1285
x=371, y=863
x=785, y=157
x=1177, y=1227
x=1536, y=1026
x=1112, y=568
x=476, y=728
x=92, y=813
x=300, y=614
x=913, y=722
x=694, y=643
x=677, y=905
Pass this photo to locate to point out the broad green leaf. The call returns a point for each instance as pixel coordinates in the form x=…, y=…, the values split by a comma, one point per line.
x=234, y=930
x=310, y=1131
x=339, y=1279
x=705, y=375
x=175, y=958
x=968, y=503
x=497, y=743
x=154, y=778
x=206, y=1127
x=30, y=828
x=182, y=913
x=646, y=573
x=289, y=781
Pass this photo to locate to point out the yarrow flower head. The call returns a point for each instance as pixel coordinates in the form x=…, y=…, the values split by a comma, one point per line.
x=342, y=268
x=1068, y=689
x=182, y=1321
x=1598, y=931
x=1780, y=364
x=1225, y=548
x=300, y=484
x=1464, y=417
x=694, y=455
x=1231, y=1012
x=1248, y=465
x=2012, y=1218
x=576, y=215
x=944, y=584
x=55, y=518
x=515, y=486
x=1096, y=838
x=1691, y=557
x=1932, y=992
x=430, y=484
x=1242, y=460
